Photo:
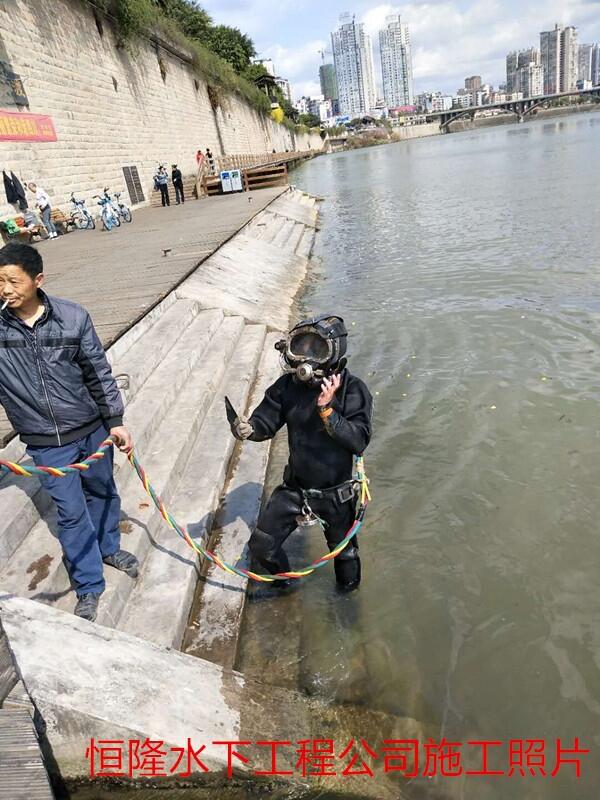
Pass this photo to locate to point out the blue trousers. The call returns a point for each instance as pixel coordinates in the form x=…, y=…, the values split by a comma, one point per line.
x=88, y=505
x=49, y=225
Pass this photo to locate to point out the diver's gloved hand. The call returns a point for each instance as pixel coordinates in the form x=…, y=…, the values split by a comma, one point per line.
x=329, y=387
x=241, y=428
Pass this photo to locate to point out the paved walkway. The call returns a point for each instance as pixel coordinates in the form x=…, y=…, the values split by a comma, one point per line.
x=119, y=276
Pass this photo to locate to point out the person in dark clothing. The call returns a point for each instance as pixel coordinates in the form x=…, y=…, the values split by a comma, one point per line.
x=161, y=180
x=211, y=161
x=328, y=412
x=59, y=394
x=177, y=179
x=15, y=193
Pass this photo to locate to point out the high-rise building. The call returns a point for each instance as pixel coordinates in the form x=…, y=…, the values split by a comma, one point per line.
x=328, y=82
x=396, y=63
x=284, y=85
x=517, y=60
x=530, y=55
x=353, y=61
x=530, y=80
x=596, y=65
x=559, y=59
x=584, y=62
x=267, y=63
x=473, y=84
x=512, y=62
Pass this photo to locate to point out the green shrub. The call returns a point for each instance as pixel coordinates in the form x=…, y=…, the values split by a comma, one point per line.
x=135, y=19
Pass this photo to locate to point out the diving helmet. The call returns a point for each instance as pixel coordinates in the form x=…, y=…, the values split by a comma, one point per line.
x=314, y=348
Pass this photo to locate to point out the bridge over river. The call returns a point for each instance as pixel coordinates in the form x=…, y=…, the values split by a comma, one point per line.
x=521, y=108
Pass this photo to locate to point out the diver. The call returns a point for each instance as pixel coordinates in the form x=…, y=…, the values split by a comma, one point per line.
x=328, y=412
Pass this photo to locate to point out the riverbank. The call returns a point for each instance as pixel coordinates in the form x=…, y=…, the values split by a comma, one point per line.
x=380, y=136
x=124, y=678
x=510, y=119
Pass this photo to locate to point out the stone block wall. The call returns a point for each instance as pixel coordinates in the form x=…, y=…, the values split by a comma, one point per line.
x=113, y=107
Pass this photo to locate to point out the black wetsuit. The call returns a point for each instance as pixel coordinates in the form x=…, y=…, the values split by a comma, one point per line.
x=321, y=457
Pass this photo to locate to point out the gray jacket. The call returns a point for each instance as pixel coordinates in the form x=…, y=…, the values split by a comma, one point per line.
x=56, y=384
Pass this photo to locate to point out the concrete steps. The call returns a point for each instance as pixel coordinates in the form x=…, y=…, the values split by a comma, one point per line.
x=35, y=569
x=270, y=271
x=272, y=227
x=306, y=243
x=206, y=339
x=284, y=233
x=216, y=619
x=165, y=456
x=159, y=606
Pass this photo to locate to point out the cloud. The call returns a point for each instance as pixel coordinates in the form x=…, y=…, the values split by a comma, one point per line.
x=299, y=65
x=450, y=42
x=450, y=39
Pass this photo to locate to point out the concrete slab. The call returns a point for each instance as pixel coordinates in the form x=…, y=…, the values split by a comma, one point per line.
x=145, y=355
x=291, y=207
x=215, y=621
x=88, y=682
x=159, y=606
x=262, y=292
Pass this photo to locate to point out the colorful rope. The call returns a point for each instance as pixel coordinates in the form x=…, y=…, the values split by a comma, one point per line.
x=57, y=472
x=365, y=497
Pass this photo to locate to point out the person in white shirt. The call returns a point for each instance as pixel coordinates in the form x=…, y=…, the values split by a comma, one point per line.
x=42, y=201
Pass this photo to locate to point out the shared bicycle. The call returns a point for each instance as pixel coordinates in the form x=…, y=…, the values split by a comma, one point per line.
x=109, y=216
x=80, y=216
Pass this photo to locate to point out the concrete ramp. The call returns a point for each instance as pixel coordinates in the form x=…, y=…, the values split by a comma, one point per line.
x=88, y=681
x=206, y=339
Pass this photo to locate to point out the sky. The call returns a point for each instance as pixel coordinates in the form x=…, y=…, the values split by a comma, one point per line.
x=451, y=39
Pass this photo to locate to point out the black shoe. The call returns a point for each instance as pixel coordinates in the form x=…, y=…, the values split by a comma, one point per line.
x=87, y=606
x=124, y=561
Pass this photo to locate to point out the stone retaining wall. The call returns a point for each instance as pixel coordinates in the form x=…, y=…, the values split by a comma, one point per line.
x=112, y=107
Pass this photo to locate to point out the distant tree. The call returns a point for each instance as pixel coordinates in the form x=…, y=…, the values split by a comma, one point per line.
x=193, y=20
x=310, y=120
x=254, y=71
x=233, y=46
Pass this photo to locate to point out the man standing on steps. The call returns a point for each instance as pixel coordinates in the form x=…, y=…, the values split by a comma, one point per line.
x=161, y=180
x=177, y=179
x=59, y=394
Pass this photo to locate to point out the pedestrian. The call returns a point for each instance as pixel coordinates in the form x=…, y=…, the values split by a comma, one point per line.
x=328, y=412
x=59, y=394
x=199, y=157
x=161, y=179
x=211, y=161
x=42, y=201
x=177, y=179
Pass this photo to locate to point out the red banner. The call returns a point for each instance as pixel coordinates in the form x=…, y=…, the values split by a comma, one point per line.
x=16, y=127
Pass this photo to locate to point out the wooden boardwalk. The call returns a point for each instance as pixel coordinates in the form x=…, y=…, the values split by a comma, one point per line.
x=119, y=276
x=22, y=771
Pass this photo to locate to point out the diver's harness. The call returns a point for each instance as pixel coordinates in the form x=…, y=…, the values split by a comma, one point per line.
x=344, y=492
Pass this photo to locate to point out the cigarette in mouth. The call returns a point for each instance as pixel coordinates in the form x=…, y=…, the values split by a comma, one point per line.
x=4, y=304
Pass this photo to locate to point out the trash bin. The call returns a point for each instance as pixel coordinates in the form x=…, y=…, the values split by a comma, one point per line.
x=226, y=185
x=236, y=180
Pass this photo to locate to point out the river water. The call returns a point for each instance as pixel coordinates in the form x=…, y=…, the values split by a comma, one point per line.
x=467, y=269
